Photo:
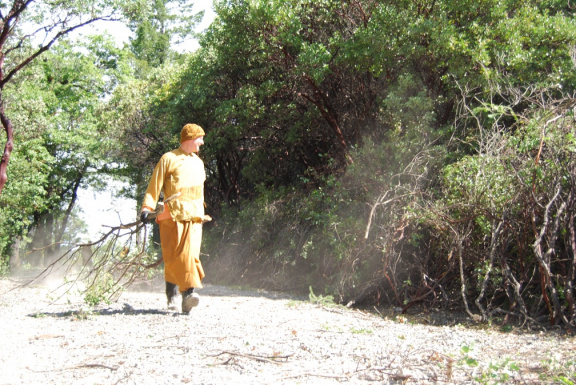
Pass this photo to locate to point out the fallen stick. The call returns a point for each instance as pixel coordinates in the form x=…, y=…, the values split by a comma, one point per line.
x=268, y=359
x=317, y=375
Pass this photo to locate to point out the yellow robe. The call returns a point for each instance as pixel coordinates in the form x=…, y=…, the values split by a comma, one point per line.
x=181, y=223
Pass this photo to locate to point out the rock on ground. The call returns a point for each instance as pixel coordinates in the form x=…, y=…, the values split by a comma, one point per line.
x=254, y=337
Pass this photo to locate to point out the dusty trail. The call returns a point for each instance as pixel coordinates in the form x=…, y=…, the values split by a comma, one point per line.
x=249, y=337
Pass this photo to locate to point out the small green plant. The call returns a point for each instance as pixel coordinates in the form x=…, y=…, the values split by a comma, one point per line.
x=293, y=303
x=321, y=300
x=100, y=291
x=82, y=314
x=326, y=327
x=559, y=372
x=564, y=380
x=360, y=331
x=93, y=298
x=466, y=359
x=507, y=328
x=498, y=373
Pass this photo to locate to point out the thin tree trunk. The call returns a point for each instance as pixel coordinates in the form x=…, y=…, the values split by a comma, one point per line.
x=15, y=256
x=7, y=125
x=569, y=281
x=493, y=244
x=65, y=220
x=328, y=114
x=544, y=257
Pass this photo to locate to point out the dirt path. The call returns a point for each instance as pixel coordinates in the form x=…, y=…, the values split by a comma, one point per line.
x=242, y=337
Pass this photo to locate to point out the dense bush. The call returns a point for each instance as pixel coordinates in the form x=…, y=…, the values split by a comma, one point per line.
x=452, y=185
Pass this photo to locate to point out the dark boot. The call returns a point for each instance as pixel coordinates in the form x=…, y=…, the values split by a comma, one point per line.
x=171, y=294
x=189, y=300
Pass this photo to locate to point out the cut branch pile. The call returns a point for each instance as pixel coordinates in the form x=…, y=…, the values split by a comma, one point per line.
x=111, y=263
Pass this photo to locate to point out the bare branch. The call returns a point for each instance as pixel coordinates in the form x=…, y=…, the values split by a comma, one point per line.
x=43, y=49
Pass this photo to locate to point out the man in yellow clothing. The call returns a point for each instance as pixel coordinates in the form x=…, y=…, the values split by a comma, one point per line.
x=181, y=172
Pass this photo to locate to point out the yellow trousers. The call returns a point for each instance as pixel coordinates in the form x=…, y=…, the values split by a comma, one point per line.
x=181, y=253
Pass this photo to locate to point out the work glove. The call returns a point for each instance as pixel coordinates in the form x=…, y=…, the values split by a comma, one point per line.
x=144, y=216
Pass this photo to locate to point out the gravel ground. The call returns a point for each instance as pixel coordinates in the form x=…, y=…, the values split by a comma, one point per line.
x=254, y=337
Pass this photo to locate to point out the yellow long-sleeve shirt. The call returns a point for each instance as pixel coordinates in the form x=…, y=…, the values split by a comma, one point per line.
x=178, y=172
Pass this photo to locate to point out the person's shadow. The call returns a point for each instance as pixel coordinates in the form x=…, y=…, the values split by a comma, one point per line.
x=85, y=314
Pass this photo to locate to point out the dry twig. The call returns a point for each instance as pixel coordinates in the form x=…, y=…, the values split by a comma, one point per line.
x=269, y=359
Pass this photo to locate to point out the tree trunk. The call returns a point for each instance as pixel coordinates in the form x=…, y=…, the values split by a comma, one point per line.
x=15, y=255
x=7, y=125
x=328, y=114
x=66, y=219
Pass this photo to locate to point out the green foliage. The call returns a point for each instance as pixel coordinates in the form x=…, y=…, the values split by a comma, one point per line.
x=60, y=144
x=506, y=370
x=419, y=70
x=562, y=371
x=467, y=356
x=156, y=27
x=320, y=300
x=150, y=45
x=484, y=181
x=23, y=195
x=500, y=373
x=4, y=267
x=100, y=290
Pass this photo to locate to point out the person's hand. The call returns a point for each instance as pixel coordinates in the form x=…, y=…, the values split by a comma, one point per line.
x=144, y=216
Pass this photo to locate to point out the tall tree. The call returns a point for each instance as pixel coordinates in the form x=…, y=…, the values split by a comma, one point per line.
x=66, y=144
x=158, y=26
x=28, y=28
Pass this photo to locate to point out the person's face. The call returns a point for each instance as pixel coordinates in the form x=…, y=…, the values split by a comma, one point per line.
x=196, y=143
